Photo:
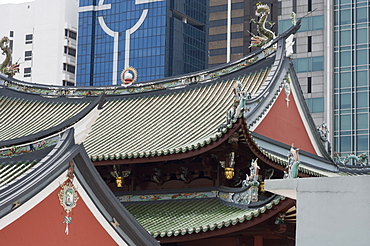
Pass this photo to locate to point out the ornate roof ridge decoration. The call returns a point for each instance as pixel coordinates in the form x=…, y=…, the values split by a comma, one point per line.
x=352, y=161
x=170, y=84
x=267, y=35
x=234, y=217
x=69, y=165
x=17, y=150
x=242, y=197
x=278, y=161
x=204, y=76
x=6, y=67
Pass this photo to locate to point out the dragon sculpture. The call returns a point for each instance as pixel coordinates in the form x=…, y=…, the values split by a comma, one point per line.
x=7, y=68
x=266, y=35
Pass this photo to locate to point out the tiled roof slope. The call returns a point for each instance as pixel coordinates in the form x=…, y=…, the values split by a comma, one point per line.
x=22, y=114
x=10, y=171
x=33, y=116
x=181, y=217
x=166, y=123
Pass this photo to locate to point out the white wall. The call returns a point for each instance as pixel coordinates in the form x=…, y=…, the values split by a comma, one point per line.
x=46, y=20
x=330, y=211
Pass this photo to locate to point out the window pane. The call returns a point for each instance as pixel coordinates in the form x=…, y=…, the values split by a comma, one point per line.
x=345, y=80
x=345, y=144
x=362, y=100
x=318, y=63
x=345, y=122
x=362, y=121
x=361, y=78
x=345, y=101
x=317, y=105
x=345, y=58
x=318, y=22
x=362, y=142
x=361, y=57
x=345, y=17
x=361, y=15
x=361, y=36
x=345, y=37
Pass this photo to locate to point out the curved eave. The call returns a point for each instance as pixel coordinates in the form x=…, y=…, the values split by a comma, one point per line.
x=174, y=154
x=244, y=219
x=275, y=89
x=48, y=174
x=307, y=115
x=58, y=128
x=279, y=162
x=203, y=76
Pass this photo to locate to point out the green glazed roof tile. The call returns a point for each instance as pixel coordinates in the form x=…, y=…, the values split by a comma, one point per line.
x=171, y=123
x=33, y=116
x=181, y=217
x=11, y=171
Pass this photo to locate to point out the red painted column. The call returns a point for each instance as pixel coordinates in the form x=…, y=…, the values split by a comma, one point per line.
x=258, y=241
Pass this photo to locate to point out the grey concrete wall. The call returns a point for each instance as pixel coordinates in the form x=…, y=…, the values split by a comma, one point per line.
x=330, y=211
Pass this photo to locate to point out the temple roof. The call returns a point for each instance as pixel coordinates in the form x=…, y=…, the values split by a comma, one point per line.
x=28, y=186
x=27, y=116
x=167, y=123
x=171, y=214
x=169, y=117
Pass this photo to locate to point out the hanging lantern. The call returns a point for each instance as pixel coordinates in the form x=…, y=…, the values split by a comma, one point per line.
x=229, y=171
x=119, y=175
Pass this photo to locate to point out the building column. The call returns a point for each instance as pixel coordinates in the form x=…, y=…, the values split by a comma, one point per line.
x=258, y=241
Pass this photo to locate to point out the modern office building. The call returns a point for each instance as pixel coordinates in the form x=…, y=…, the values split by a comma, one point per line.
x=331, y=58
x=157, y=38
x=312, y=60
x=351, y=76
x=230, y=28
x=42, y=37
x=332, y=62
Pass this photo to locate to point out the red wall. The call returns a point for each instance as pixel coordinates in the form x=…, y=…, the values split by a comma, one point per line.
x=285, y=124
x=43, y=225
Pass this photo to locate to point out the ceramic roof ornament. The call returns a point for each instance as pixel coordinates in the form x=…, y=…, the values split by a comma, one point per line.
x=266, y=35
x=7, y=68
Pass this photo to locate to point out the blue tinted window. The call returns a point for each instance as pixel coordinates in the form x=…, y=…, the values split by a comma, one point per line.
x=315, y=105
x=345, y=58
x=345, y=144
x=345, y=17
x=362, y=78
x=361, y=15
x=361, y=57
x=345, y=80
x=345, y=101
x=361, y=36
x=345, y=37
x=362, y=99
x=362, y=142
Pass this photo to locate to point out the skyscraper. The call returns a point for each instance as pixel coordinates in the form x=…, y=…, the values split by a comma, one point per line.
x=43, y=39
x=230, y=28
x=351, y=76
x=312, y=58
x=332, y=61
x=157, y=38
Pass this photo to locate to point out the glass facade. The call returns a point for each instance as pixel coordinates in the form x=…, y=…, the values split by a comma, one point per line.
x=157, y=37
x=351, y=76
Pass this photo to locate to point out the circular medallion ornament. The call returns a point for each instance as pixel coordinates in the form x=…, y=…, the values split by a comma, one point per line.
x=128, y=76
